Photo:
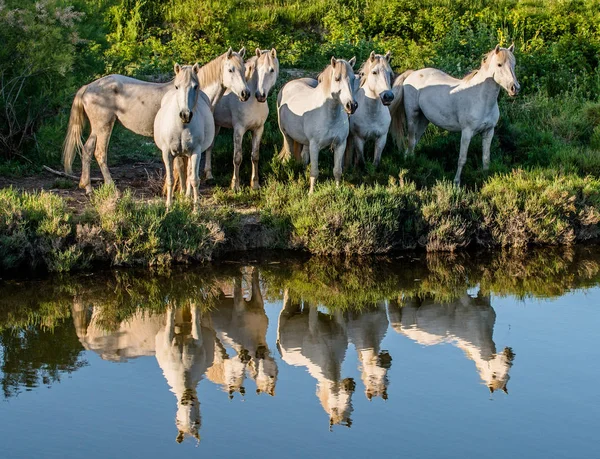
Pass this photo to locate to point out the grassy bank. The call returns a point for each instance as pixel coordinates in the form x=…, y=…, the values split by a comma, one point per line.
x=515, y=210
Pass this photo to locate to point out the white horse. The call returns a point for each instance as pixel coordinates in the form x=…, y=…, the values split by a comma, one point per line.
x=241, y=324
x=315, y=113
x=184, y=126
x=366, y=330
x=372, y=117
x=318, y=342
x=135, y=104
x=131, y=339
x=467, y=323
x=469, y=106
x=184, y=355
x=262, y=71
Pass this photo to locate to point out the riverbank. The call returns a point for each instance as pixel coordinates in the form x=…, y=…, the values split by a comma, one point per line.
x=40, y=230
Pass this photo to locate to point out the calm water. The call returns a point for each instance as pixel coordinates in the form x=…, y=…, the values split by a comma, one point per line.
x=420, y=356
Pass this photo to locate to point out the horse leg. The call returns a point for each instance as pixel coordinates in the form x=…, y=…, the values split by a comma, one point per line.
x=238, y=135
x=196, y=316
x=379, y=146
x=305, y=155
x=103, y=137
x=338, y=162
x=486, y=141
x=256, y=137
x=417, y=123
x=86, y=159
x=193, y=179
x=169, y=327
x=208, y=158
x=359, y=151
x=168, y=160
x=349, y=154
x=465, y=140
x=314, y=165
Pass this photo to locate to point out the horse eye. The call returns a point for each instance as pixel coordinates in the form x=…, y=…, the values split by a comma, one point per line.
x=271, y=70
x=499, y=65
x=338, y=78
x=176, y=87
x=374, y=72
x=231, y=70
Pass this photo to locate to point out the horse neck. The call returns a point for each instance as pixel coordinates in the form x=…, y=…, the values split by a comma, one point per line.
x=210, y=78
x=488, y=88
x=332, y=106
x=252, y=78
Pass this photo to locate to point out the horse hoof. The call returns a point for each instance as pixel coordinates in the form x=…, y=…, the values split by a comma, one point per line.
x=255, y=186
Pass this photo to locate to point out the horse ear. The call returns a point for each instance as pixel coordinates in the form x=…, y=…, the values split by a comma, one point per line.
x=388, y=56
x=242, y=52
x=372, y=55
x=511, y=48
x=352, y=61
x=229, y=53
x=333, y=61
x=497, y=49
x=273, y=52
x=177, y=68
x=196, y=68
x=257, y=51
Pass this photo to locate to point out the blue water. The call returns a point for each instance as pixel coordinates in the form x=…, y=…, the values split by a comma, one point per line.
x=438, y=403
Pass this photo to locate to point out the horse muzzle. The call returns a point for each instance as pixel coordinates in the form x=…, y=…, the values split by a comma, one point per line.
x=244, y=95
x=386, y=97
x=514, y=90
x=351, y=107
x=261, y=97
x=186, y=116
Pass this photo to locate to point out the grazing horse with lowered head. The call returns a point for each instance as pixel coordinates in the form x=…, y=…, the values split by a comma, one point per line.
x=372, y=117
x=469, y=106
x=262, y=71
x=314, y=114
x=135, y=104
x=184, y=126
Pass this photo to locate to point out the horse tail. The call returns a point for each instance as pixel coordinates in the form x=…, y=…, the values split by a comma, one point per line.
x=73, y=140
x=180, y=163
x=398, y=125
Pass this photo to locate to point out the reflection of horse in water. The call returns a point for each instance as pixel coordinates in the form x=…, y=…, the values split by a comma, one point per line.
x=317, y=341
x=366, y=330
x=184, y=350
x=132, y=338
x=467, y=323
x=242, y=325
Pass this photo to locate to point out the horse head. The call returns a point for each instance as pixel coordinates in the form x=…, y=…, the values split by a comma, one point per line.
x=501, y=62
x=188, y=415
x=234, y=73
x=377, y=75
x=186, y=86
x=338, y=78
x=267, y=69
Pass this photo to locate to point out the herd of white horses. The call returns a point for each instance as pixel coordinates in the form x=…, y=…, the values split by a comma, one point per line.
x=228, y=343
x=338, y=110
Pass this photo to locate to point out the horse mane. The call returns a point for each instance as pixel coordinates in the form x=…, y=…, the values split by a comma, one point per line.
x=251, y=67
x=213, y=70
x=485, y=64
x=324, y=77
x=366, y=67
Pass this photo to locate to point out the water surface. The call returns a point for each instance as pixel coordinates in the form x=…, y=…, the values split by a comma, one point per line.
x=418, y=356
